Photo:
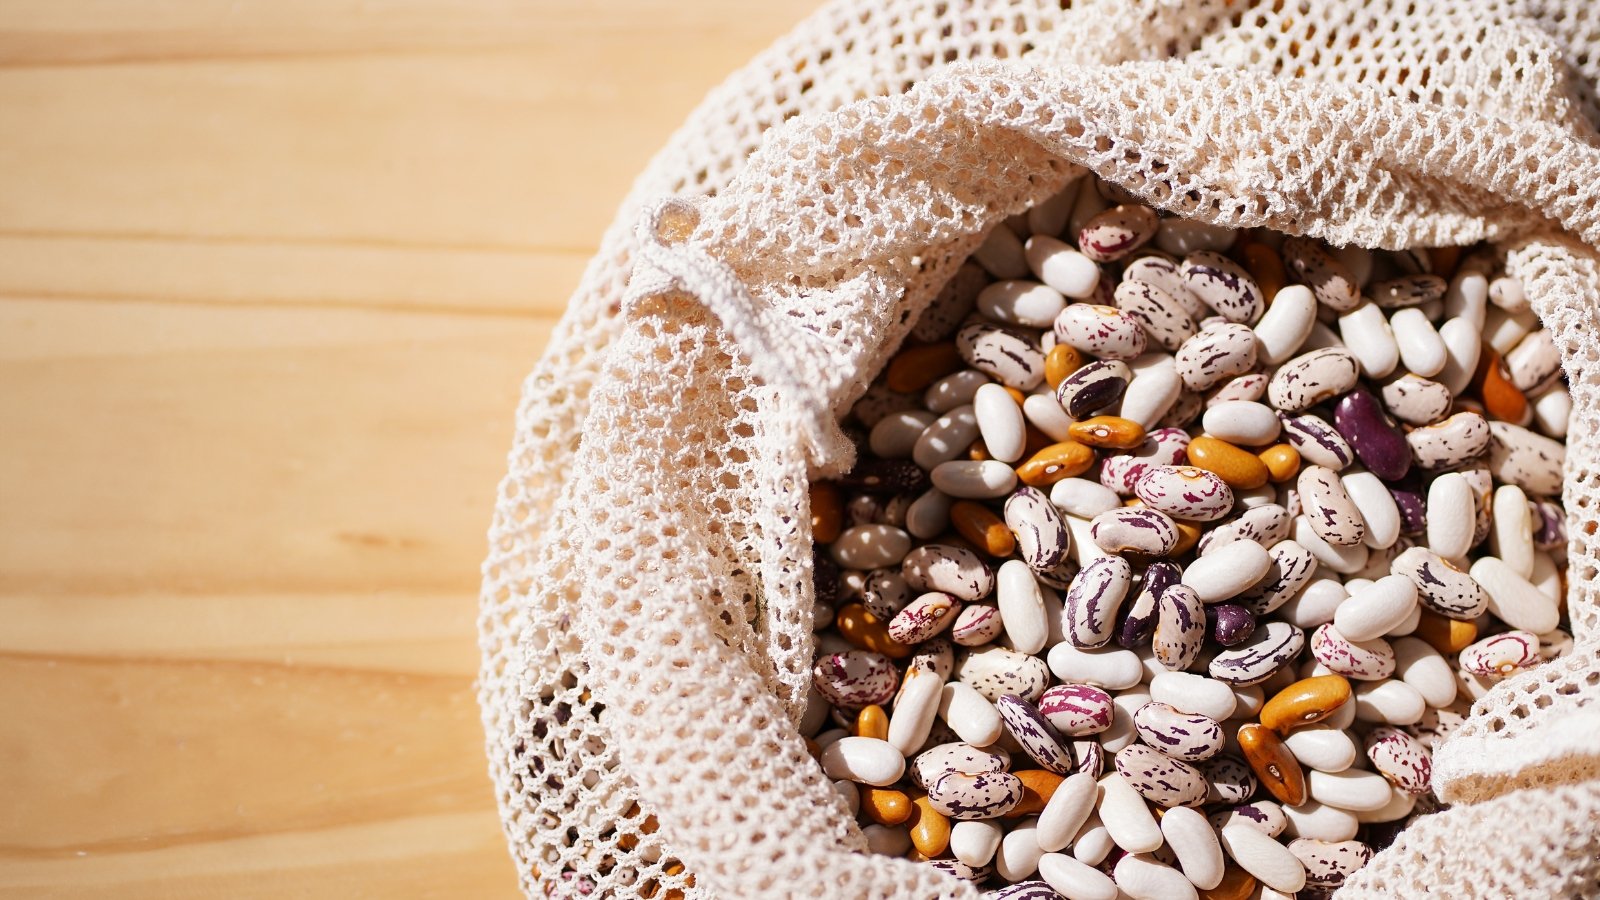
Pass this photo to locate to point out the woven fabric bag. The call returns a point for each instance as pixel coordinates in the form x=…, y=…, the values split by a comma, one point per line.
x=647, y=596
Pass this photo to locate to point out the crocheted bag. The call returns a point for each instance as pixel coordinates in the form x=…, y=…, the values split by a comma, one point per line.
x=647, y=597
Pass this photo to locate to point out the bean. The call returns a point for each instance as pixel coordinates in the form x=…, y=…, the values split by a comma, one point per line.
x=1101, y=331
x=1056, y=264
x=1005, y=353
x=1021, y=302
x=1380, y=446
x=1093, y=387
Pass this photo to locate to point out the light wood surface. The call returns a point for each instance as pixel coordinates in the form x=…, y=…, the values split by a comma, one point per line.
x=270, y=274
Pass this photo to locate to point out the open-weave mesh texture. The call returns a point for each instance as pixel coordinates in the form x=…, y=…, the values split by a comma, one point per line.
x=647, y=596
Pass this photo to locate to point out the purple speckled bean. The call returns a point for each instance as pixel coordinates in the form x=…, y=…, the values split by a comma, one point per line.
x=1138, y=620
x=1034, y=734
x=1093, y=600
x=1181, y=629
x=1093, y=387
x=1215, y=355
x=1380, y=446
x=1133, y=529
x=1316, y=441
x=1230, y=623
x=1179, y=735
x=855, y=678
x=1362, y=660
x=1160, y=779
x=1117, y=232
x=1400, y=758
x=1077, y=709
x=987, y=796
x=1104, y=332
x=1230, y=780
x=1273, y=645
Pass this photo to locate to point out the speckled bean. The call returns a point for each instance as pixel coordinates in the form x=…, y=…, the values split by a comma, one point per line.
x=1034, y=734
x=1117, y=232
x=1328, y=507
x=1415, y=400
x=1333, y=284
x=924, y=617
x=1215, y=355
x=994, y=671
x=1368, y=660
x=945, y=567
x=1007, y=354
x=1451, y=442
x=987, y=796
x=1165, y=321
x=1183, y=736
x=1311, y=378
x=1223, y=285
x=1093, y=599
x=1317, y=442
x=1135, y=530
x=855, y=678
x=1400, y=758
x=1180, y=628
x=1502, y=654
x=1101, y=331
x=1162, y=780
x=1272, y=646
x=1528, y=460
x=1093, y=387
x=1042, y=537
x=1329, y=863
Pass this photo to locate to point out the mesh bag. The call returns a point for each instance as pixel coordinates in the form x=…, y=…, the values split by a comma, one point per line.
x=647, y=598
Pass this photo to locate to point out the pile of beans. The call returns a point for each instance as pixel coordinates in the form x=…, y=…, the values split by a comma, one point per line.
x=1172, y=552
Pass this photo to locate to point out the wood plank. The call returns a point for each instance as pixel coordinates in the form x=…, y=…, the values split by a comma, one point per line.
x=140, y=775
x=198, y=450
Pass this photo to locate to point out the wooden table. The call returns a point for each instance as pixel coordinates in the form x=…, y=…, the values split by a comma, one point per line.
x=270, y=274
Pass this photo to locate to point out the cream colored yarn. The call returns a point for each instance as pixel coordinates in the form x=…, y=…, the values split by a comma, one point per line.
x=647, y=598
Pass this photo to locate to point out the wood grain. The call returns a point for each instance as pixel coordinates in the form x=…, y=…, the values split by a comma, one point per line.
x=270, y=274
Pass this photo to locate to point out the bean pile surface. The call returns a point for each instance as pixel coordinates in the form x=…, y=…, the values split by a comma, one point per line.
x=1171, y=553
